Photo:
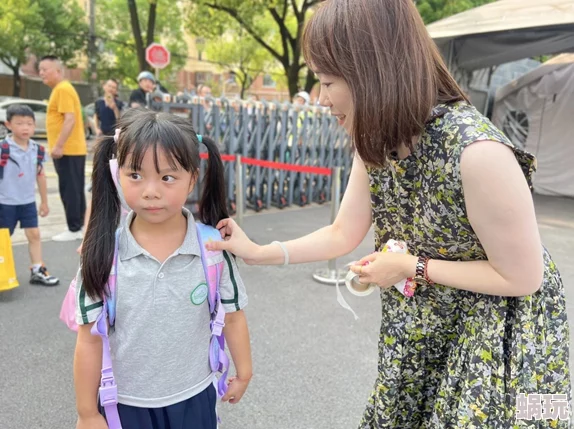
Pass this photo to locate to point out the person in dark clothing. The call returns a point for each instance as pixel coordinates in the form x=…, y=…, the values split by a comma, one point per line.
x=138, y=97
x=107, y=109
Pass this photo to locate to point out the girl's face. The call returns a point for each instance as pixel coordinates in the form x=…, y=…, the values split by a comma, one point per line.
x=155, y=197
x=336, y=95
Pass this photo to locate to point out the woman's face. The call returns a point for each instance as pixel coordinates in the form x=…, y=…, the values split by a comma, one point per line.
x=336, y=95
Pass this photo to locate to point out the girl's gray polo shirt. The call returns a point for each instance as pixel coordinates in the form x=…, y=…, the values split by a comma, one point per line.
x=160, y=341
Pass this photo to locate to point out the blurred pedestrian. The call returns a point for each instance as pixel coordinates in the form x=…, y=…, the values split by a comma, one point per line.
x=18, y=177
x=108, y=109
x=67, y=143
x=139, y=96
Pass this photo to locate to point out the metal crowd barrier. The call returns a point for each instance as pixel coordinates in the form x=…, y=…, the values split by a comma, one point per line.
x=274, y=155
x=277, y=133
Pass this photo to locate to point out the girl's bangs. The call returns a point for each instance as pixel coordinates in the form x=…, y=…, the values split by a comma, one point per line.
x=155, y=135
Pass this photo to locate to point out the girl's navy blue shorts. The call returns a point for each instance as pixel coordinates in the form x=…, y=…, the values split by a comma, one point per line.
x=197, y=412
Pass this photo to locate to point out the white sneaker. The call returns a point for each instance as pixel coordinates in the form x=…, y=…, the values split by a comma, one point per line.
x=68, y=236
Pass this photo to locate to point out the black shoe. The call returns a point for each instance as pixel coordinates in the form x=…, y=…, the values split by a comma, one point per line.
x=42, y=277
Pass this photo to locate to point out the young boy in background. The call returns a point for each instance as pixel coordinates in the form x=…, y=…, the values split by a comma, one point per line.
x=20, y=169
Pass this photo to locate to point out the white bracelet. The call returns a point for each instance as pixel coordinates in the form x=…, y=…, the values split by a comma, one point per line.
x=285, y=252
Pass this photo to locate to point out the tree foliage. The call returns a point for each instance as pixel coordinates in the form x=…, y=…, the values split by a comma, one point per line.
x=40, y=27
x=120, y=57
x=433, y=10
x=239, y=53
x=281, y=40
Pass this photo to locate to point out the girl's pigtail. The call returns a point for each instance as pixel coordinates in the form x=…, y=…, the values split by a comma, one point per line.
x=213, y=207
x=99, y=240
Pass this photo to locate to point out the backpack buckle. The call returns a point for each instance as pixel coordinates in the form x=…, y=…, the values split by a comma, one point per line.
x=217, y=327
x=108, y=391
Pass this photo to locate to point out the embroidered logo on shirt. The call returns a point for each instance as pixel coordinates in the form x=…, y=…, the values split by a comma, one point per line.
x=199, y=294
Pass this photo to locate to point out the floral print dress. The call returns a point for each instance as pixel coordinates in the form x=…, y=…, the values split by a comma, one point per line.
x=450, y=358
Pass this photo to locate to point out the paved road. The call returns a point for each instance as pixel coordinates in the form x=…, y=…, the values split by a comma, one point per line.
x=314, y=365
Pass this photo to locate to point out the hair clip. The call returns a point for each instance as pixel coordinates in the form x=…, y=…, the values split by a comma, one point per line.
x=200, y=138
x=117, y=134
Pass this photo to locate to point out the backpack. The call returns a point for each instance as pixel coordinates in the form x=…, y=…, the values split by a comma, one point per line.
x=212, y=262
x=5, y=157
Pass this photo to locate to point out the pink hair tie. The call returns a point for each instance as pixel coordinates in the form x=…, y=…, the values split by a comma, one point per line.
x=117, y=134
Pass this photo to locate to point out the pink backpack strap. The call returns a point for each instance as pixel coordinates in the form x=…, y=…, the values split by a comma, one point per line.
x=213, y=267
x=108, y=390
x=114, y=170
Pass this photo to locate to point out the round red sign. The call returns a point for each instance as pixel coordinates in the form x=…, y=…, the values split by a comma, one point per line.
x=157, y=56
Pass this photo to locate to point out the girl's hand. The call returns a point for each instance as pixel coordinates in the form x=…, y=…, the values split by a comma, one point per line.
x=95, y=421
x=235, y=391
x=385, y=268
x=236, y=242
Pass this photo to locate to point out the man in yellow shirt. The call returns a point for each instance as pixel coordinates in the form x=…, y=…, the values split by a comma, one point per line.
x=67, y=144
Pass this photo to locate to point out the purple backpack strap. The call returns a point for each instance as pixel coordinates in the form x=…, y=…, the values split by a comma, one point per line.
x=108, y=391
x=213, y=267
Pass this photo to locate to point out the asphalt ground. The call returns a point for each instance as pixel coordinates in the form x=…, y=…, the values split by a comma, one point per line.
x=314, y=365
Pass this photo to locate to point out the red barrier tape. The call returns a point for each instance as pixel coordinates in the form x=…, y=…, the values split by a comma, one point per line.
x=204, y=155
x=324, y=171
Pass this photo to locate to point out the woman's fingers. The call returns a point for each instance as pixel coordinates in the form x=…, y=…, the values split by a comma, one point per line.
x=367, y=259
x=361, y=270
x=225, y=226
x=218, y=245
x=361, y=267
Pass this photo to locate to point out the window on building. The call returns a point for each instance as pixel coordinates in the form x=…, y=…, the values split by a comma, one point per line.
x=202, y=77
x=200, y=45
x=268, y=81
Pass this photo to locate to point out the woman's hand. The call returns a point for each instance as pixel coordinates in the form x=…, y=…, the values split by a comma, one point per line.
x=235, y=241
x=385, y=268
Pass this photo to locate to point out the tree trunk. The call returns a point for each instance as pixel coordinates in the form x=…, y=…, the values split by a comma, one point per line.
x=136, y=30
x=293, y=79
x=243, y=89
x=17, y=80
x=310, y=81
x=151, y=22
x=243, y=78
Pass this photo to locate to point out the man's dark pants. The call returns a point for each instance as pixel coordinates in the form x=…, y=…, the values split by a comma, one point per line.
x=70, y=171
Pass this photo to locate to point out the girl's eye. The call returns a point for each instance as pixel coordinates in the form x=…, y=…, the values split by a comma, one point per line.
x=168, y=179
x=135, y=176
x=326, y=85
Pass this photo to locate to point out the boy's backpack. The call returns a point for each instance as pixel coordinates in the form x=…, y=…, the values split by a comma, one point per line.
x=5, y=157
x=212, y=262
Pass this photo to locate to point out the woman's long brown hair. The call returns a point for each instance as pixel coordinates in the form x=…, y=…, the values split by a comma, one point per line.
x=394, y=70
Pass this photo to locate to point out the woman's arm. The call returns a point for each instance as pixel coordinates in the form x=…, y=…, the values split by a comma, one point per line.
x=344, y=235
x=87, y=371
x=501, y=212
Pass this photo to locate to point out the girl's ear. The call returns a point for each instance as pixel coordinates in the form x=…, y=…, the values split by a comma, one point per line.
x=193, y=182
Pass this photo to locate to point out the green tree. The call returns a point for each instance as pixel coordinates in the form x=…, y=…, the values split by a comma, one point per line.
x=123, y=39
x=282, y=41
x=240, y=53
x=39, y=27
x=433, y=10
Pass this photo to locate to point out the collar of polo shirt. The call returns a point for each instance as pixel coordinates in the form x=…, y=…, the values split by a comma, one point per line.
x=130, y=248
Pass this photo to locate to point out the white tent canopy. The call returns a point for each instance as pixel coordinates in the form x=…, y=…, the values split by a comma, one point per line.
x=536, y=112
x=505, y=31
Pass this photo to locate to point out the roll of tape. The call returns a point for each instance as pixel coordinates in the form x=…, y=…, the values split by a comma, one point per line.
x=357, y=288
